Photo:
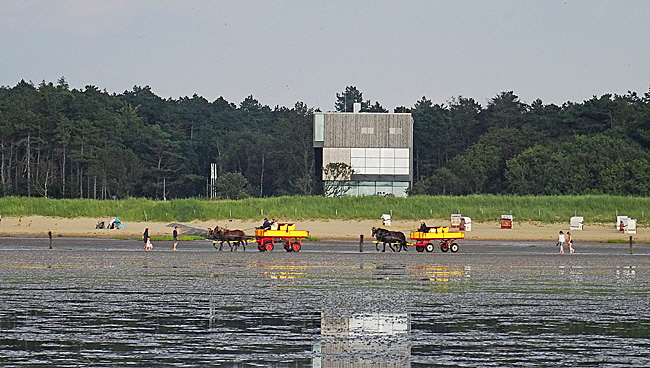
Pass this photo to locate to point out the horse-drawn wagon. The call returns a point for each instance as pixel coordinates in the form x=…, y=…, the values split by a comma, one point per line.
x=422, y=240
x=441, y=234
x=285, y=233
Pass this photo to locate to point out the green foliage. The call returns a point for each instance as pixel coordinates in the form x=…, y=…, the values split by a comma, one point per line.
x=232, y=186
x=481, y=208
x=580, y=166
x=58, y=142
x=505, y=111
x=442, y=182
x=619, y=241
x=62, y=143
x=337, y=179
x=346, y=100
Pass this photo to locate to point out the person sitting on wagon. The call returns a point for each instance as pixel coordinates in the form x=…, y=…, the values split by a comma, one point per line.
x=423, y=227
x=274, y=225
x=266, y=225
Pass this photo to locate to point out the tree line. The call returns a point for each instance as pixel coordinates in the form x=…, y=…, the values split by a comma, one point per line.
x=599, y=146
x=60, y=142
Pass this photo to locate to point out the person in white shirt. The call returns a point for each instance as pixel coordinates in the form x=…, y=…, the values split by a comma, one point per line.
x=561, y=241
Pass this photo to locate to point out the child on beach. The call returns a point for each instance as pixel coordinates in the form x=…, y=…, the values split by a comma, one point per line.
x=569, y=242
x=147, y=240
x=560, y=241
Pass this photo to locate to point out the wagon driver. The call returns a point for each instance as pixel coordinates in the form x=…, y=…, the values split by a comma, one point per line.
x=266, y=225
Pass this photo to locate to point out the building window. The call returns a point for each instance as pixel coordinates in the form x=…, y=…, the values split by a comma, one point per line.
x=319, y=127
x=380, y=161
x=395, y=131
x=366, y=130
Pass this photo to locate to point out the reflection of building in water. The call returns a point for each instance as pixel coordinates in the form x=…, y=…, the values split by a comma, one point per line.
x=626, y=273
x=574, y=273
x=364, y=340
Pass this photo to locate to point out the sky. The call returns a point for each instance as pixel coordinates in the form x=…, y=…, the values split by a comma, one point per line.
x=287, y=51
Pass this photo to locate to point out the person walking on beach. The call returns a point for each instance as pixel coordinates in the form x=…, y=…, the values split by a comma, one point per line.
x=560, y=241
x=569, y=242
x=175, y=236
x=147, y=239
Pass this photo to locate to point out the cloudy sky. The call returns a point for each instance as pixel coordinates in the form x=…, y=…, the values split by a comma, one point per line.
x=281, y=52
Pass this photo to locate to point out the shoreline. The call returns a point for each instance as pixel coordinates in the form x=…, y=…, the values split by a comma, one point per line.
x=39, y=226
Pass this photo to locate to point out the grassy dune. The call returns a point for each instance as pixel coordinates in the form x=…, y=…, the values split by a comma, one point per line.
x=481, y=208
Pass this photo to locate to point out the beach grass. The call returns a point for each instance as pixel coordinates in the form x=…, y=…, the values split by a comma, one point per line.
x=619, y=241
x=481, y=208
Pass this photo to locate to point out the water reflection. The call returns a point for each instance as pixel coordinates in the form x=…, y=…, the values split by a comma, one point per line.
x=364, y=340
x=626, y=273
x=572, y=272
x=283, y=271
x=325, y=310
x=442, y=273
x=390, y=271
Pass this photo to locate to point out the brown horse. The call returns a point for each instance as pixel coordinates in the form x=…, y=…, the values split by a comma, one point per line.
x=229, y=236
x=389, y=237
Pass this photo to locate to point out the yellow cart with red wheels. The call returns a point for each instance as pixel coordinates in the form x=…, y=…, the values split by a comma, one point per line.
x=438, y=234
x=286, y=234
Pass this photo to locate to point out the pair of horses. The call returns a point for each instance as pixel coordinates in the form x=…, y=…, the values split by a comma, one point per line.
x=234, y=238
x=396, y=240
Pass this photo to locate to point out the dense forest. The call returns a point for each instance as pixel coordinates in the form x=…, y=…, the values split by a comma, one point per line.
x=60, y=142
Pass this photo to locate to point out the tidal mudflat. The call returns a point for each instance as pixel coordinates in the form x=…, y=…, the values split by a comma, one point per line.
x=107, y=303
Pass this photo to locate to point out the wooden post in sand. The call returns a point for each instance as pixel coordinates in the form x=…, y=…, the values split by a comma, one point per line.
x=361, y=243
x=49, y=233
x=630, y=244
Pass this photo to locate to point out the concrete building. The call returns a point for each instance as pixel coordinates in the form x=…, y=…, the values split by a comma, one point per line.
x=378, y=147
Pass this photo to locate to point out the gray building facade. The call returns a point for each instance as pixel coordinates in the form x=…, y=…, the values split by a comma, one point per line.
x=378, y=147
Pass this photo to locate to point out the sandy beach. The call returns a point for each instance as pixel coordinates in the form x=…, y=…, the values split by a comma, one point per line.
x=85, y=227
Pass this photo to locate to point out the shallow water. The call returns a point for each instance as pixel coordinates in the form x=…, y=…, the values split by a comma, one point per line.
x=523, y=306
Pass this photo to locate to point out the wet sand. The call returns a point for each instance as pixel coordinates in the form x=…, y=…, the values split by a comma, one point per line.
x=85, y=227
x=93, y=302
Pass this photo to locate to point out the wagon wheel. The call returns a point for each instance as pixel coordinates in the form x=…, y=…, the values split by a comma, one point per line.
x=268, y=245
x=444, y=246
x=453, y=247
x=296, y=246
x=429, y=247
x=419, y=248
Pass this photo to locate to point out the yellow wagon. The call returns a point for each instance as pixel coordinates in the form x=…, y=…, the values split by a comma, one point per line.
x=441, y=234
x=285, y=233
